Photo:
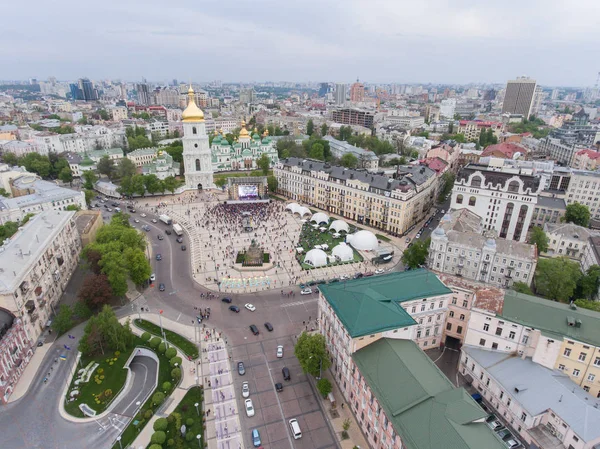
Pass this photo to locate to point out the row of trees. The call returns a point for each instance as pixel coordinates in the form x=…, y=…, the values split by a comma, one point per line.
x=47, y=167
x=311, y=352
x=487, y=138
x=141, y=184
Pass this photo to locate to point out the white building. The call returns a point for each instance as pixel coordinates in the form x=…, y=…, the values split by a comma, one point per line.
x=366, y=159
x=142, y=156
x=447, y=108
x=157, y=126
x=568, y=239
x=460, y=247
x=505, y=201
x=35, y=267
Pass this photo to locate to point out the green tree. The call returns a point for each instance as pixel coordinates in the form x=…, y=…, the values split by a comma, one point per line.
x=416, y=255
x=90, y=179
x=89, y=196
x=272, y=183
x=324, y=387
x=63, y=321
x=152, y=183
x=586, y=304
x=316, y=152
x=4, y=193
x=125, y=168
x=170, y=184
x=557, y=278
x=324, y=129
x=95, y=291
x=349, y=160
x=138, y=265
x=220, y=181
x=311, y=352
x=81, y=310
x=65, y=175
x=264, y=163
x=73, y=207
x=103, y=114
x=10, y=159
x=310, y=127
x=538, y=237
x=137, y=185
x=175, y=150
x=103, y=332
x=448, y=179
x=37, y=163
x=578, y=214
x=106, y=166
x=522, y=287
x=589, y=283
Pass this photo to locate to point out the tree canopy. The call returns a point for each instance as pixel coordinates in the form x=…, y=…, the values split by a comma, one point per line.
x=557, y=278
x=264, y=163
x=416, y=255
x=538, y=237
x=349, y=160
x=578, y=214
x=311, y=352
x=106, y=166
x=104, y=333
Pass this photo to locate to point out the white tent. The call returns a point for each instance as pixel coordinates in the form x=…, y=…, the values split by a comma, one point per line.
x=292, y=207
x=363, y=240
x=320, y=217
x=303, y=211
x=343, y=252
x=316, y=258
x=339, y=225
x=295, y=208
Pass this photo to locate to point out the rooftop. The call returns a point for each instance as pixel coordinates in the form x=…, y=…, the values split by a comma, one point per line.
x=486, y=297
x=496, y=177
x=344, y=146
x=569, y=230
x=551, y=203
x=43, y=192
x=423, y=406
x=372, y=304
x=550, y=317
x=27, y=245
x=538, y=389
x=509, y=150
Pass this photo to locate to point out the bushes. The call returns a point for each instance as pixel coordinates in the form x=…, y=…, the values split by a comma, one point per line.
x=324, y=387
x=175, y=361
x=155, y=446
x=154, y=342
x=190, y=436
x=158, y=398
x=170, y=353
x=146, y=336
x=189, y=422
x=176, y=373
x=162, y=348
x=158, y=438
x=166, y=386
x=160, y=424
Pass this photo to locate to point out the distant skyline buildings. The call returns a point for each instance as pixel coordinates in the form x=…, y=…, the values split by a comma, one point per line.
x=84, y=90
x=519, y=96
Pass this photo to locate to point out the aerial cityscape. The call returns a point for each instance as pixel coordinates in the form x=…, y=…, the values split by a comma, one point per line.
x=225, y=226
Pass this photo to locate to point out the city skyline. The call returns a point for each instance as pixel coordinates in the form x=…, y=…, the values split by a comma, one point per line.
x=429, y=42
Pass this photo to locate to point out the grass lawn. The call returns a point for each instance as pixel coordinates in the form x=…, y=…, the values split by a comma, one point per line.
x=107, y=376
x=382, y=237
x=147, y=410
x=187, y=411
x=309, y=237
x=186, y=346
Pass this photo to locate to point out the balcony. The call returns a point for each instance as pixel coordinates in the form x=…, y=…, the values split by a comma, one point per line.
x=30, y=306
x=38, y=292
x=508, y=274
x=24, y=287
x=34, y=316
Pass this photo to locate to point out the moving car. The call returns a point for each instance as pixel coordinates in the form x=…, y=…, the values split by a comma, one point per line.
x=136, y=220
x=249, y=408
x=158, y=257
x=278, y=387
x=286, y=373
x=250, y=307
x=179, y=239
x=235, y=309
x=152, y=277
x=306, y=291
x=142, y=215
x=254, y=329
x=160, y=237
x=154, y=220
x=256, y=438
x=379, y=270
x=245, y=389
x=279, y=351
x=183, y=248
x=269, y=326
x=227, y=300
x=241, y=369
x=161, y=287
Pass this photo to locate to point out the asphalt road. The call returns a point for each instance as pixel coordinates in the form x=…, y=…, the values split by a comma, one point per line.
x=144, y=371
x=33, y=421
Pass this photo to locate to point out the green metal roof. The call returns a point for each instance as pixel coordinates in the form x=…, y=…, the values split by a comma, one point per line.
x=372, y=304
x=425, y=409
x=552, y=317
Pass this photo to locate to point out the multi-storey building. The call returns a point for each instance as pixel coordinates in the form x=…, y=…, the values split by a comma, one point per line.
x=471, y=129
x=584, y=188
x=389, y=204
x=357, y=92
x=505, y=201
x=567, y=239
x=374, y=328
x=351, y=116
x=519, y=96
x=119, y=113
x=548, y=210
x=586, y=160
x=366, y=159
x=340, y=94
x=558, y=150
x=36, y=264
x=142, y=156
x=16, y=350
x=460, y=247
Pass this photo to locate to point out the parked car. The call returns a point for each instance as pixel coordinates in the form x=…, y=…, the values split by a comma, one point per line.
x=143, y=215
x=269, y=326
x=504, y=434
x=278, y=387
x=133, y=211
x=369, y=273
x=279, y=351
x=311, y=283
x=254, y=329
x=250, y=307
x=379, y=271
x=495, y=424
x=152, y=277
x=512, y=443
x=235, y=309
x=158, y=257
x=227, y=300
x=286, y=373
x=168, y=231
x=358, y=275
x=160, y=237
x=256, y=438
x=183, y=248
x=306, y=291
x=154, y=220
x=136, y=220
x=161, y=287
x=241, y=369
x=245, y=389
x=249, y=408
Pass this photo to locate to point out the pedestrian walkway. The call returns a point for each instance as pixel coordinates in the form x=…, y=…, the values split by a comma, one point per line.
x=30, y=371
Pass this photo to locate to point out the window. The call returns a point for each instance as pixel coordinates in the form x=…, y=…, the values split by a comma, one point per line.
x=414, y=309
x=418, y=334
x=501, y=394
x=575, y=438
x=441, y=304
x=498, y=331
x=449, y=326
x=523, y=416
x=567, y=352
x=459, y=330
x=494, y=345
x=512, y=335
x=525, y=339
x=462, y=317
x=454, y=300
x=459, y=199
x=582, y=356
x=591, y=377
x=561, y=367
x=194, y=130
x=422, y=307
x=482, y=342
x=597, y=361
x=465, y=303
x=451, y=314
x=486, y=327
x=576, y=373
x=472, y=201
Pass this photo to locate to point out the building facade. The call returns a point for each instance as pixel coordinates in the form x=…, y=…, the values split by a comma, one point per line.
x=567, y=239
x=349, y=116
x=366, y=159
x=471, y=129
x=519, y=96
x=16, y=350
x=244, y=153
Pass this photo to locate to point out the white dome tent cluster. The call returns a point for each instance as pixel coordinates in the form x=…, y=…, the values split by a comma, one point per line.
x=363, y=240
x=319, y=218
x=295, y=208
x=316, y=258
x=339, y=226
x=342, y=252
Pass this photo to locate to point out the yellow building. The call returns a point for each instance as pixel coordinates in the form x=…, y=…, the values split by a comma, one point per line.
x=581, y=362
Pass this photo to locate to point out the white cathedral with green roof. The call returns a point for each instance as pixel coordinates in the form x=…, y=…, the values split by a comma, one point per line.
x=244, y=153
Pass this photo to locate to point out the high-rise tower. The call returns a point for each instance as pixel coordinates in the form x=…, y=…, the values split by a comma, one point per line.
x=196, y=148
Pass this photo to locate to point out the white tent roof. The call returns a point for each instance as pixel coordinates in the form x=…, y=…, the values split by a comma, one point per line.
x=303, y=211
x=363, y=240
x=292, y=206
x=295, y=208
x=343, y=252
x=320, y=217
x=339, y=225
x=316, y=258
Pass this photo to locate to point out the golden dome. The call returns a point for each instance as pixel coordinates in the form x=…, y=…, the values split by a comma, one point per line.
x=266, y=133
x=244, y=131
x=192, y=113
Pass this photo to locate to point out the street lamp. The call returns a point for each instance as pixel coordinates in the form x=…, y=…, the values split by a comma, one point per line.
x=197, y=409
x=199, y=438
x=120, y=444
x=320, y=365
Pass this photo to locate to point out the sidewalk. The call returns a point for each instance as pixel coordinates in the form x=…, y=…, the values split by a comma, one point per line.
x=30, y=371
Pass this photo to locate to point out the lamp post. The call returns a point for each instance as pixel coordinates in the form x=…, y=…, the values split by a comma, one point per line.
x=119, y=440
x=320, y=366
x=160, y=312
x=197, y=409
x=199, y=438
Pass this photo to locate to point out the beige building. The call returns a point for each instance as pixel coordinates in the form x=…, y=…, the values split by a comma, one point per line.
x=567, y=239
x=119, y=113
x=142, y=156
x=375, y=200
x=88, y=222
x=471, y=129
x=35, y=267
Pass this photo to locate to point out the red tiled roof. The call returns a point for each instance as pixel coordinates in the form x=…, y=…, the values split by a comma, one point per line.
x=507, y=149
x=592, y=154
x=435, y=163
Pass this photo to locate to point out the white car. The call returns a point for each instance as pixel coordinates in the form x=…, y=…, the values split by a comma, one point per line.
x=344, y=277
x=142, y=215
x=379, y=271
x=279, y=351
x=245, y=389
x=306, y=291
x=152, y=277
x=250, y=307
x=249, y=408
x=136, y=220
x=154, y=220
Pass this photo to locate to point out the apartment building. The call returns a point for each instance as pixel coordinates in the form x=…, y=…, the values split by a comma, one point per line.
x=568, y=239
x=539, y=404
x=519, y=96
x=366, y=159
x=584, y=188
x=142, y=156
x=16, y=350
x=471, y=129
x=378, y=201
x=591, y=253
x=36, y=264
x=559, y=151
x=460, y=246
x=119, y=113
x=586, y=160
x=352, y=116
x=548, y=210
x=503, y=199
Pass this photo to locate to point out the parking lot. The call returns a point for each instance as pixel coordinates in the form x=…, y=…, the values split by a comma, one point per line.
x=273, y=410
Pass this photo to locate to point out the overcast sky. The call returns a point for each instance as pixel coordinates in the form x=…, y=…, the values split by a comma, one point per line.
x=440, y=41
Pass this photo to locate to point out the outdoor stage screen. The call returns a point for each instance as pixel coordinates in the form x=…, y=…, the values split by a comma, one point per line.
x=248, y=192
